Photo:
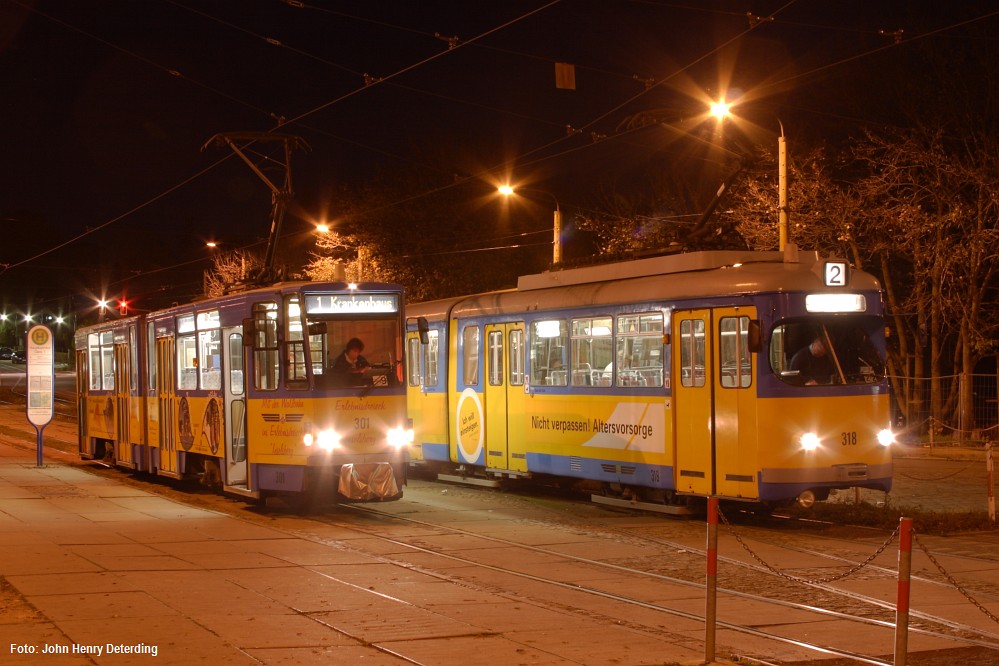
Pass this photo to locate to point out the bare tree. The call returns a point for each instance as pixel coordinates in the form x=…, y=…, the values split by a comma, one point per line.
x=930, y=214
x=229, y=270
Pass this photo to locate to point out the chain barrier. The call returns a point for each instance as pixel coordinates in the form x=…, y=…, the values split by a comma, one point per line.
x=798, y=579
x=938, y=478
x=950, y=579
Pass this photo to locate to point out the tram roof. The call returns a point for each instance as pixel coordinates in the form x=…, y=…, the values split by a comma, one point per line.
x=695, y=274
x=663, y=265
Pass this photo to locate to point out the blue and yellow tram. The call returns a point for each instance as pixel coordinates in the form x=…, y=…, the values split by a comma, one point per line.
x=241, y=390
x=663, y=378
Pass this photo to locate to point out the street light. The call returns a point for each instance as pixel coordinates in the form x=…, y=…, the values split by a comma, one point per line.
x=508, y=190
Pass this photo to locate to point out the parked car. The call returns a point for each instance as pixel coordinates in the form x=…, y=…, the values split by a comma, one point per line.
x=5, y=353
x=18, y=357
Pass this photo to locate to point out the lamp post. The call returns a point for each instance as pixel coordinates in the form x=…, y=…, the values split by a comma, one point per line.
x=721, y=110
x=781, y=188
x=508, y=190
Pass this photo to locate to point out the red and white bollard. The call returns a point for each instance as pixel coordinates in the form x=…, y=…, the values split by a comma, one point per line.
x=902, y=602
x=711, y=582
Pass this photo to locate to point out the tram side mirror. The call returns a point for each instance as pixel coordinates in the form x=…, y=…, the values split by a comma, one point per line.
x=318, y=328
x=755, y=336
x=424, y=328
x=249, y=332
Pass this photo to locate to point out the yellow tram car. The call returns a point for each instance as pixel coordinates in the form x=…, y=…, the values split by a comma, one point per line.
x=243, y=391
x=663, y=379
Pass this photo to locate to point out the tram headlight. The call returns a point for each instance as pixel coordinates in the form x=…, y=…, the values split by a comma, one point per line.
x=886, y=437
x=809, y=441
x=324, y=439
x=400, y=437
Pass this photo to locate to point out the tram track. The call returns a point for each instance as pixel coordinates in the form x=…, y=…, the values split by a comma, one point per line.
x=948, y=630
x=883, y=572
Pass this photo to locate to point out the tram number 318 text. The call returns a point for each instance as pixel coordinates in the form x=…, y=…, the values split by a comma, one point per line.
x=849, y=439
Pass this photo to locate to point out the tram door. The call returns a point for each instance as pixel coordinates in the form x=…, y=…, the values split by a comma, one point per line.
x=714, y=402
x=165, y=401
x=504, y=397
x=82, y=387
x=122, y=406
x=235, y=408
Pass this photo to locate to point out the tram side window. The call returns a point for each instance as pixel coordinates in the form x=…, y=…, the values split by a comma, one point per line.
x=209, y=350
x=187, y=354
x=101, y=348
x=517, y=358
x=736, y=362
x=297, y=376
x=592, y=351
x=470, y=355
x=495, y=345
x=150, y=356
x=431, y=359
x=413, y=360
x=548, y=344
x=265, y=346
x=133, y=350
x=692, y=352
x=640, y=349
x=236, y=364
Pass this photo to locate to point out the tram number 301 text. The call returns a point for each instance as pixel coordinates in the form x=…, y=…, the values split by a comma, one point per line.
x=849, y=439
x=362, y=423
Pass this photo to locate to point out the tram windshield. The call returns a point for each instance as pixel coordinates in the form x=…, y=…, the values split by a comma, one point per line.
x=840, y=350
x=354, y=342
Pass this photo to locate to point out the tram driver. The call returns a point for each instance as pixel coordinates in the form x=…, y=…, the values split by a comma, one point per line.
x=350, y=367
x=812, y=363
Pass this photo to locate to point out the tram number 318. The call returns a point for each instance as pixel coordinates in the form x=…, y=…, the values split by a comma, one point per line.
x=849, y=439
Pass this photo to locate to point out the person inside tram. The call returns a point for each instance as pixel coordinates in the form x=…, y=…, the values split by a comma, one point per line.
x=812, y=363
x=350, y=367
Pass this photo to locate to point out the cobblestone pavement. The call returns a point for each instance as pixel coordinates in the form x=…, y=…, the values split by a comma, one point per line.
x=947, y=480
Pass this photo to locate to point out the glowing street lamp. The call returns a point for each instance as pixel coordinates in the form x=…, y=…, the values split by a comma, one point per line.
x=508, y=190
x=720, y=109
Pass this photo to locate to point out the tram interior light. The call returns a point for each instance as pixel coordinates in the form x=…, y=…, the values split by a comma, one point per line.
x=548, y=329
x=886, y=437
x=810, y=441
x=835, y=303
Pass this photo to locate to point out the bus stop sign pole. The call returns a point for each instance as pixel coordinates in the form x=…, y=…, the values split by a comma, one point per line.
x=41, y=381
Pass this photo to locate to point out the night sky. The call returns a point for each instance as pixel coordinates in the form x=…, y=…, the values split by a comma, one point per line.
x=106, y=107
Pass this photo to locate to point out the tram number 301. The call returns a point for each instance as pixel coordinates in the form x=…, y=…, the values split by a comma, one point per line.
x=364, y=423
x=849, y=439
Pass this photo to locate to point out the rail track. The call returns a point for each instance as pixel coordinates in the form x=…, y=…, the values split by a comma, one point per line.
x=656, y=564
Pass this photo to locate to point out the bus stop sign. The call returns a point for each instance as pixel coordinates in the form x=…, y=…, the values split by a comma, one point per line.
x=41, y=380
